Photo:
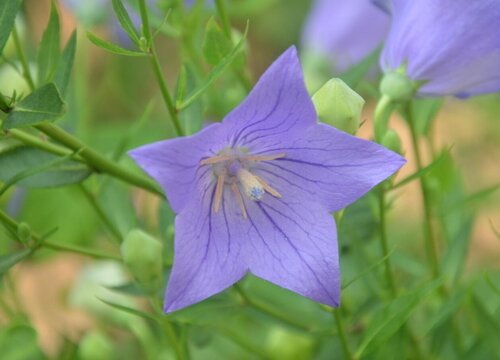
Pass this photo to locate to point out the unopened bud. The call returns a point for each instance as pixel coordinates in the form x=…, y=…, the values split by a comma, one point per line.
x=142, y=254
x=397, y=86
x=24, y=233
x=338, y=105
x=392, y=141
x=95, y=346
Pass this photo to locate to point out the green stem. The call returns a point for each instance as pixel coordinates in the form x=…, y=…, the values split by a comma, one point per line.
x=101, y=213
x=263, y=308
x=382, y=114
x=226, y=26
x=7, y=220
x=35, y=141
x=97, y=161
x=167, y=98
x=342, y=336
x=430, y=240
x=169, y=330
x=22, y=59
x=389, y=274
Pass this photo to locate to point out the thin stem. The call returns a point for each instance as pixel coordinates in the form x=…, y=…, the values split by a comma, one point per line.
x=167, y=98
x=263, y=308
x=430, y=240
x=226, y=26
x=98, y=161
x=169, y=330
x=342, y=336
x=389, y=275
x=35, y=141
x=382, y=114
x=22, y=59
x=101, y=213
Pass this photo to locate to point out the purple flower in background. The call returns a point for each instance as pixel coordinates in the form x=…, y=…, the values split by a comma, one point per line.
x=453, y=46
x=345, y=31
x=254, y=193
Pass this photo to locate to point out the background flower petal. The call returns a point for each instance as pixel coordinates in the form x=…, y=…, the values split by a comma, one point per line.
x=330, y=166
x=345, y=31
x=454, y=45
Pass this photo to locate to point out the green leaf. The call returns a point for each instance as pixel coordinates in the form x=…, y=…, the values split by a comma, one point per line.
x=112, y=48
x=8, y=261
x=489, y=324
x=125, y=21
x=422, y=172
x=52, y=170
x=424, y=111
x=216, y=45
x=8, y=12
x=129, y=310
x=356, y=73
x=215, y=73
x=19, y=341
x=63, y=73
x=392, y=317
x=192, y=117
x=49, y=51
x=131, y=289
x=43, y=104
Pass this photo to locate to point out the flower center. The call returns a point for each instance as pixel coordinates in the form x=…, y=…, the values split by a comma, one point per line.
x=233, y=168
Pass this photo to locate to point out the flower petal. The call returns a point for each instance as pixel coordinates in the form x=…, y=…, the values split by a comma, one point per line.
x=294, y=245
x=345, y=31
x=430, y=37
x=330, y=166
x=208, y=250
x=175, y=163
x=277, y=106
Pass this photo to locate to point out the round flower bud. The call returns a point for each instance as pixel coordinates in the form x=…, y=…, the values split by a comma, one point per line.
x=338, y=105
x=392, y=141
x=289, y=345
x=142, y=254
x=95, y=346
x=24, y=233
x=397, y=86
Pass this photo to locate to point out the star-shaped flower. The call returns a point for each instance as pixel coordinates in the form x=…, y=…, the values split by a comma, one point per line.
x=255, y=193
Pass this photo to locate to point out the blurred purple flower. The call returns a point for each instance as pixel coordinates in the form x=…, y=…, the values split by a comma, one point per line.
x=451, y=45
x=345, y=31
x=254, y=193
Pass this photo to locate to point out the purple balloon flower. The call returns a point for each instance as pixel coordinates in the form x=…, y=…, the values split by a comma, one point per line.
x=254, y=193
x=451, y=45
x=345, y=31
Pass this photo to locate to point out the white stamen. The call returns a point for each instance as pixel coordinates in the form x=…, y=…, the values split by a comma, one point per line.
x=218, y=192
x=253, y=188
x=239, y=199
x=257, y=158
x=268, y=188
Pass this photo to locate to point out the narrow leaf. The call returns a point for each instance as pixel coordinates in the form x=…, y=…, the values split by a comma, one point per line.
x=112, y=48
x=8, y=261
x=216, y=45
x=8, y=12
x=392, y=317
x=215, y=73
x=422, y=172
x=49, y=51
x=129, y=310
x=125, y=21
x=63, y=73
x=31, y=167
x=43, y=104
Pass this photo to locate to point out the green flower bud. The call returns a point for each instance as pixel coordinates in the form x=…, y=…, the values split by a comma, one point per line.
x=397, y=86
x=95, y=346
x=288, y=345
x=392, y=141
x=142, y=254
x=24, y=233
x=338, y=105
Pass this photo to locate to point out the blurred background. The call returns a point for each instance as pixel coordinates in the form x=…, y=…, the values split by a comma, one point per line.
x=110, y=94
